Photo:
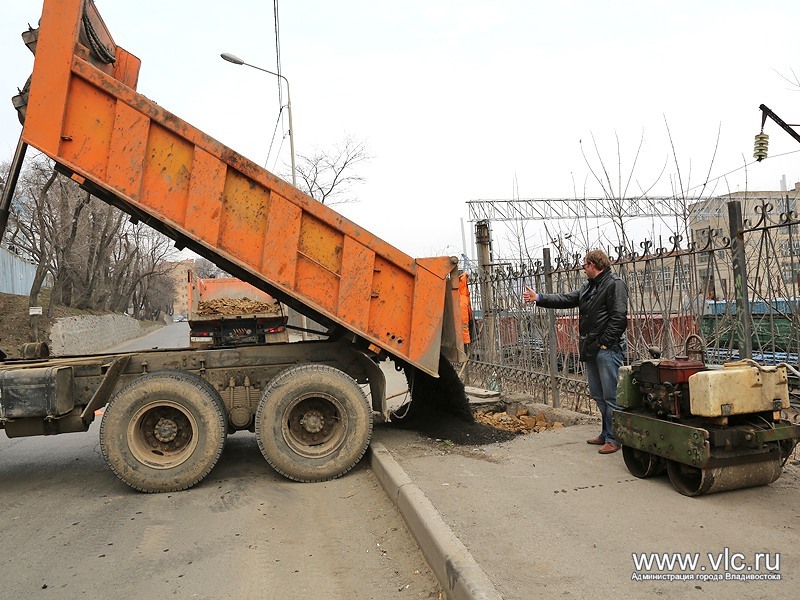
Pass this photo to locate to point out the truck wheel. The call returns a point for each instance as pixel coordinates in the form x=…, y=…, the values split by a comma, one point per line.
x=313, y=423
x=164, y=431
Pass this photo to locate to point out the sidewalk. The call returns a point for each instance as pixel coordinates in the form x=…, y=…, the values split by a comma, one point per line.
x=545, y=515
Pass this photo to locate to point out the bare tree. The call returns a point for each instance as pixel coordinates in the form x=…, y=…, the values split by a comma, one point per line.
x=329, y=175
x=33, y=220
x=144, y=259
x=616, y=184
x=90, y=249
x=205, y=269
x=96, y=258
x=159, y=296
x=794, y=80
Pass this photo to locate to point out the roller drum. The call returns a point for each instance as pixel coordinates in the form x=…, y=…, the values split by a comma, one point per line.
x=692, y=481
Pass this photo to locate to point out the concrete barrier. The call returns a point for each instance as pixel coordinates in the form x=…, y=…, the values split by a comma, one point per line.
x=89, y=334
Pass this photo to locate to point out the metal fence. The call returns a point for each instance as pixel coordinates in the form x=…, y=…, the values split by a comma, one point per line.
x=678, y=291
x=16, y=274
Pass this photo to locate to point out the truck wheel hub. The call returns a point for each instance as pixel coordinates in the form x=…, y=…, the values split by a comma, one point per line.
x=165, y=430
x=313, y=421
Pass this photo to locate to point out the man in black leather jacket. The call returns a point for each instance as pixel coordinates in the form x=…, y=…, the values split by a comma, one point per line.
x=603, y=317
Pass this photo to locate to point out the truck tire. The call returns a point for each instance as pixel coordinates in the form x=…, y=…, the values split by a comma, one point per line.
x=164, y=431
x=313, y=423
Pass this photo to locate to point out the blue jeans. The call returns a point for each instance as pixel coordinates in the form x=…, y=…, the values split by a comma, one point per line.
x=602, y=375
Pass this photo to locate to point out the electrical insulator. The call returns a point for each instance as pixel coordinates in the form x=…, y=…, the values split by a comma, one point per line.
x=760, y=152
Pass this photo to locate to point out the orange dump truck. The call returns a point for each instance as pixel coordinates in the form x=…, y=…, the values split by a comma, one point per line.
x=168, y=411
x=225, y=311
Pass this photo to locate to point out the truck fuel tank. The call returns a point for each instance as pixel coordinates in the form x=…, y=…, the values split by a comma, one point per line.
x=38, y=392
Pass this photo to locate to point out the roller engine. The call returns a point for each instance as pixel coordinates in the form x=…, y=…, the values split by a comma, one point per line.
x=664, y=384
x=712, y=428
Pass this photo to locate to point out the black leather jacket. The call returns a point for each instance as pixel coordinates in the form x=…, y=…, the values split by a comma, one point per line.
x=603, y=308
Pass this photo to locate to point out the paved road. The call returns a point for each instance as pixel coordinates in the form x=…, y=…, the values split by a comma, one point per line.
x=545, y=515
x=71, y=529
x=174, y=335
x=245, y=532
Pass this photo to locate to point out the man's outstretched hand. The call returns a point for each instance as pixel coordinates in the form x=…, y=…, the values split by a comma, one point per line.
x=529, y=295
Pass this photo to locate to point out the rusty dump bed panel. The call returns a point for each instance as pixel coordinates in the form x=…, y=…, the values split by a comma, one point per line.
x=87, y=116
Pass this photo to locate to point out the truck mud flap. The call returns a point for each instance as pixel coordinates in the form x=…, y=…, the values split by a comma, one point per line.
x=43, y=392
x=103, y=393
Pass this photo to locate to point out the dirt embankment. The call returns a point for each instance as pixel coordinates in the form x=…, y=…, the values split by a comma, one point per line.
x=75, y=331
x=15, y=323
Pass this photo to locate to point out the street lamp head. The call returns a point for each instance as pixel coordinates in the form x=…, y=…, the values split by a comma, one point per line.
x=232, y=59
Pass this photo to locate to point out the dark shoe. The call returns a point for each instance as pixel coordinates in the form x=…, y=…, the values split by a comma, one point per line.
x=598, y=441
x=608, y=448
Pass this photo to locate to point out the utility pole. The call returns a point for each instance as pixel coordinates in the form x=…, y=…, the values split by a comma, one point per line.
x=744, y=331
x=483, y=240
x=551, y=330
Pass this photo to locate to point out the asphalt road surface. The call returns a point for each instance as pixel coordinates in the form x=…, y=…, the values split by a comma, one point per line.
x=174, y=335
x=71, y=529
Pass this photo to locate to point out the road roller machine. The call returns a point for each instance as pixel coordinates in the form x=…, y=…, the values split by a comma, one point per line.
x=712, y=428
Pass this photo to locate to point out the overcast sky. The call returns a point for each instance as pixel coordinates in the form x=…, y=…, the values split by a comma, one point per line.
x=464, y=100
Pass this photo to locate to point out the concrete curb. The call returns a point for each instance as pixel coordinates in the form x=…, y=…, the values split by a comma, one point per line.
x=448, y=558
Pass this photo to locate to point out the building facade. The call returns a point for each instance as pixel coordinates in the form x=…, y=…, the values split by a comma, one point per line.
x=772, y=242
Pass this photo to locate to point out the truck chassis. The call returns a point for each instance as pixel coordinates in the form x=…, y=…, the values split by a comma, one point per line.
x=168, y=411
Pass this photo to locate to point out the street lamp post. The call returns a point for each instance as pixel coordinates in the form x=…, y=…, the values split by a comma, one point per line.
x=238, y=61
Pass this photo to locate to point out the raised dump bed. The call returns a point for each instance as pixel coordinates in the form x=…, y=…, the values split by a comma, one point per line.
x=84, y=112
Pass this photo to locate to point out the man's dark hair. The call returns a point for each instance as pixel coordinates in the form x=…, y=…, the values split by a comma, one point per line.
x=599, y=259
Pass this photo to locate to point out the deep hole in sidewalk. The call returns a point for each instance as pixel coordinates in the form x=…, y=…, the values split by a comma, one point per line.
x=440, y=409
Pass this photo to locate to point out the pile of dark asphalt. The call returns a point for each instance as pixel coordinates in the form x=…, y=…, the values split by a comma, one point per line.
x=440, y=409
